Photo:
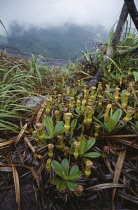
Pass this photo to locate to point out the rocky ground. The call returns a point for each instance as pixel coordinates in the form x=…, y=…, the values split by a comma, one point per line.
x=42, y=60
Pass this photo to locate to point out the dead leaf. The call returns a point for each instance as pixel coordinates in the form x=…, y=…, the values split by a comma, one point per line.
x=128, y=143
x=128, y=197
x=40, y=111
x=29, y=144
x=17, y=186
x=21, y=134
x=6, y=169
x=31, y=147
x=104, y=186
x=7, y=143
x=118, y=169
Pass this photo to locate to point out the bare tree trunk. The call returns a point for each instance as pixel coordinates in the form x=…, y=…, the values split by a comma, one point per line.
x=132, y=11
x=123, y=16
x=119, y=28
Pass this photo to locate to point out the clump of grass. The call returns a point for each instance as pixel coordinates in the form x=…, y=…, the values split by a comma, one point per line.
x=21, y=79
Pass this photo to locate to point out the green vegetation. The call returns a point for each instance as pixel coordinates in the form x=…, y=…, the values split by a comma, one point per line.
x=79, y=132
x=67, y=176
x=63, y=42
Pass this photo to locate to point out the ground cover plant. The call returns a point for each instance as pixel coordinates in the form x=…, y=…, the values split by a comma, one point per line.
x=79, y=147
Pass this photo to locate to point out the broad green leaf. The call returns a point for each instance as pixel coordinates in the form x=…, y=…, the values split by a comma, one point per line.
x=59, y=126
x=71, y=185
x=58, y=132
x=117, y=115
x=78, y=111
x=75, y=175
x=60, y=107
x=89, y=144
x=135, y=73
x=61, y=185
x=48, y=122
x=65, y=166
x=92, y=154
x=56, y=166
x=73, y=125
x=110, y=124
x=82, y=145
x=48, y=137
x=73, y=169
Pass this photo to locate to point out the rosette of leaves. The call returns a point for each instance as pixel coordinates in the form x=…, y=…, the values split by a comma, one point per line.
x=51, y=130
x=67, y=176
x=112, y=122
x=85, y=146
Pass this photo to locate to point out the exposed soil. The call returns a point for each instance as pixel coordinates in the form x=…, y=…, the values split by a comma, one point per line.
x=29, y=202
x=28, y=199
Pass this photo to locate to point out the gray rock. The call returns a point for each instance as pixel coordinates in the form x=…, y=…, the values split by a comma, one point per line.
x=33, y=101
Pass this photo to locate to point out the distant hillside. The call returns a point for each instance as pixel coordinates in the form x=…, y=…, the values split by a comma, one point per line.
x=64, y=42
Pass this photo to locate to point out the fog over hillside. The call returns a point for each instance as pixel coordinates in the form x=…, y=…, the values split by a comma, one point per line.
x=57, y=28
x=66, y=41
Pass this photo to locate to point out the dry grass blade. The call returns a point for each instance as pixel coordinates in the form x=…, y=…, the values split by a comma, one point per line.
x=128, y=197
x=104, y=186
x=128, y=143
x=108, y=164
x=17, y=186
x=29, y=144
x=122, y=136
x=6, y=169
x=6, y=143
x=31, y=147
x=118, y=169
x=40, y=111
x=20, y=134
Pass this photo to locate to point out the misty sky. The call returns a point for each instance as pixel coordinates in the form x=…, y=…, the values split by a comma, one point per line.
x=50, y=13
